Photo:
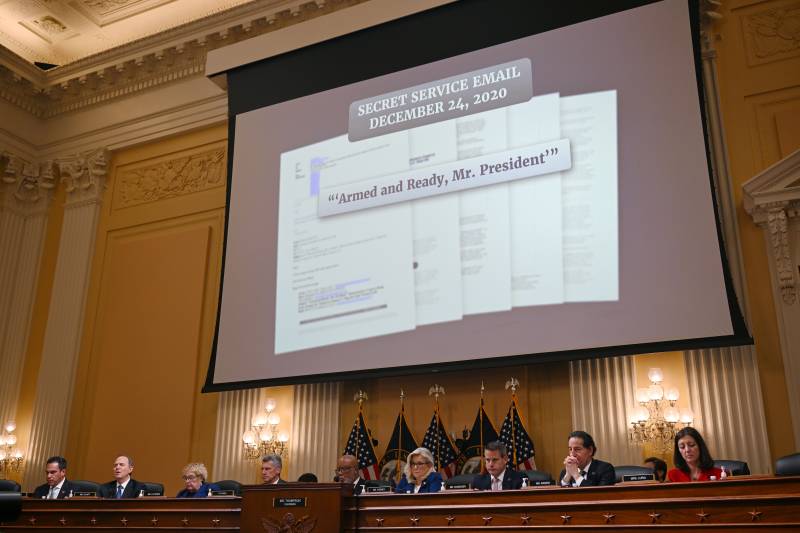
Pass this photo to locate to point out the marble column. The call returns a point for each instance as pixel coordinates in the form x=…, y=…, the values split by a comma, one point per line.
x=25, y=194
x=84, y=178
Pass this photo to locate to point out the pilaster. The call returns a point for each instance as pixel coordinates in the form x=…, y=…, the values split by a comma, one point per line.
x=84, y=178
x=25, y=194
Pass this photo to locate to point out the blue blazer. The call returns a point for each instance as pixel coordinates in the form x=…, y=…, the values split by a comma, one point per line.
x=432, y=483
x=202, y=492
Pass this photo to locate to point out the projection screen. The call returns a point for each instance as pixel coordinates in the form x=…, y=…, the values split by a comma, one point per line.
x=471, y=186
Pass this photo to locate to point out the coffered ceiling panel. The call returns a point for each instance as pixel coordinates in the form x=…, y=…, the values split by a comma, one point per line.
x=60, y=32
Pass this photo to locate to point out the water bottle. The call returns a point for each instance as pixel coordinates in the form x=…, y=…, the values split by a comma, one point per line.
x=70, y=494
x=141, y=493
x=524, y=482
x=723, y=474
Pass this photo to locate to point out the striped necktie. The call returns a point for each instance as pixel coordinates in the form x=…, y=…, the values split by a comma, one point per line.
x=119, y=491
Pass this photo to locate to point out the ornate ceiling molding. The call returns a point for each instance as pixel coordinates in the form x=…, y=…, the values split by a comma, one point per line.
x=151, y=62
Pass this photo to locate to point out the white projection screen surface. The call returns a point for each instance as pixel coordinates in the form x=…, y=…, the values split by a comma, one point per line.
x=535, y=189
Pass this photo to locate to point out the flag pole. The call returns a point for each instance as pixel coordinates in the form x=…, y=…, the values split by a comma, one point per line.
x=400, y=435
x=513, y=384
x=480, y=425
x=359, y=397
x=435, y=391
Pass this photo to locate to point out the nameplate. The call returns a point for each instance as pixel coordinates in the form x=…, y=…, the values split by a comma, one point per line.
x=457, y=486
x=152, y=493
x=221, y=493
x=83, y=494
x=288, y=502
x=542, y=483
x=639, y=477
x=379, y=488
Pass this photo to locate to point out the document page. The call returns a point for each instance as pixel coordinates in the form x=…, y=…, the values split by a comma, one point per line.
x=485, y=221
x=591, y=242
x=537, y=267
x=437, y=242
x=349, y=276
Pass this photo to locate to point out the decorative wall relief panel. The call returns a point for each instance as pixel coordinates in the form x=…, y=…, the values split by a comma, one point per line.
x=174, y=177
x=773, y=34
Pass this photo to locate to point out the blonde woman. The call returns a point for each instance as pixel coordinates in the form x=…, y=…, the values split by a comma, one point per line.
x=194, y=475
x=419, y=474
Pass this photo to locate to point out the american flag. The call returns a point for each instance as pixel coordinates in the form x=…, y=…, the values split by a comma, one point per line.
x=359, y=443
x=516, y=438
x=445, y=453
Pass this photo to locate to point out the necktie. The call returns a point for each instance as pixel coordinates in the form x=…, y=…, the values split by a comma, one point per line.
x=119, y=491
x=496, y=484
x=52, y=495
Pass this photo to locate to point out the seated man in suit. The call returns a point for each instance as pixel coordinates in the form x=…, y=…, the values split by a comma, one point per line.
x=498, y=476
x=271, y=469
x=123, y=486
x=57, y=486
x=347, y=472
x=581, y=469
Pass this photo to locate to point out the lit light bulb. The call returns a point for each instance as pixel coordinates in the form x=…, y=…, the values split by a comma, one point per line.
x=265, y=436
x=11, y=426
x=641, y=395
x=655, y=392
x=11, y=440
x=283, y=437
x=672, y=415
x=643, y=415
x=17, y=454
x=655, y=375
x=271, y=405
x=673, y=394
x=274, y=419
x=249, y=437
x=687, y=416
x=260, y=420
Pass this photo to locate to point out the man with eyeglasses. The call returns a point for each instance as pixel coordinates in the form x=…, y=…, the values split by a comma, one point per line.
x=498, y=476
x=347, y=472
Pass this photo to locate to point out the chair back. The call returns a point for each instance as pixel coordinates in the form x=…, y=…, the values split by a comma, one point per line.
x=153, y=489
x=9, y=485
x=788, y=465
x=85, y=486
x=632, y=470
x=537, y=475
x=230, y=484
x=734, y=467
x=459, y=481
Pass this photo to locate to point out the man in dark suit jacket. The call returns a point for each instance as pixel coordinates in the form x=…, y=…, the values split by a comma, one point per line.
x=347, y=472
x=498, y=476
x=271, y=469
x=123, y=486
x=57, y=486
x=581, y=469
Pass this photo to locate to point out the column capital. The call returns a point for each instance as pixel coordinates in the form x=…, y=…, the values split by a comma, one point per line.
x=84, y=176
x=26, y=186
